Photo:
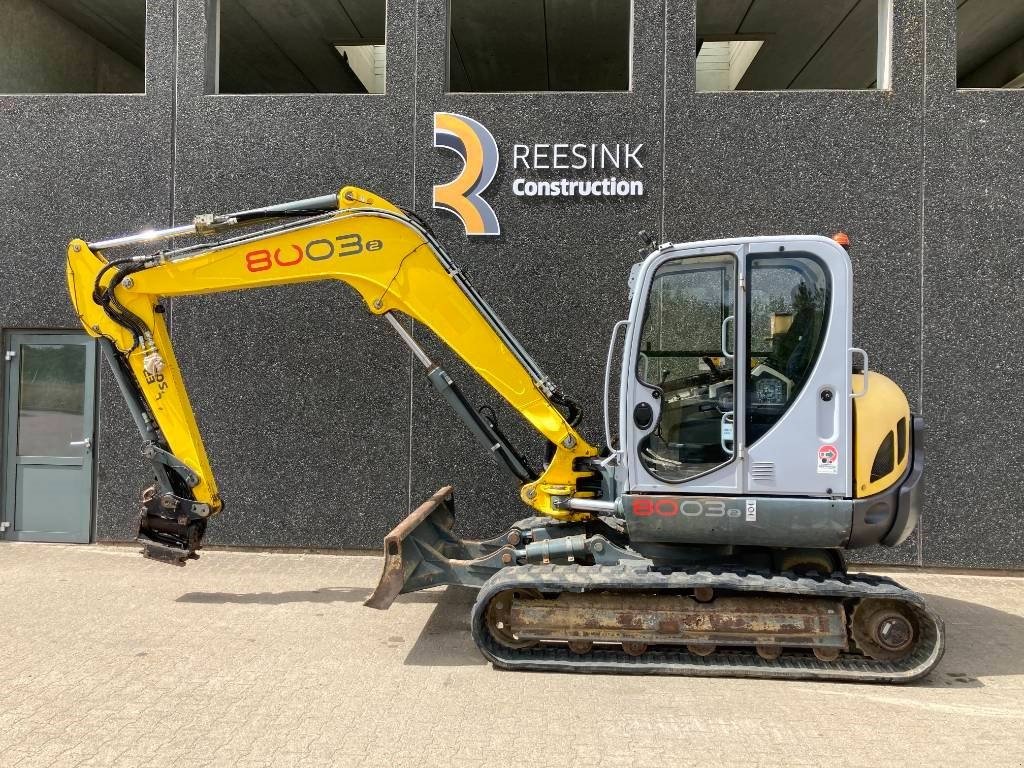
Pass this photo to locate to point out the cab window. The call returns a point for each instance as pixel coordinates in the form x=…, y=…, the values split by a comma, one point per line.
x=788, y=302
x=690, y=309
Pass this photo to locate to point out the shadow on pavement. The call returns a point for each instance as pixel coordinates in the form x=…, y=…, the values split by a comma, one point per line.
x=445, y=640
x=980, y=642
x=324, y=595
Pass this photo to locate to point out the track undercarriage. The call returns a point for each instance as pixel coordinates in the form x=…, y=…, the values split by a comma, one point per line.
x=575, y=597
x=710, y=622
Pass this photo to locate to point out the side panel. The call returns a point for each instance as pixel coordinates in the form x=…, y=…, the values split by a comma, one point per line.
x=743, y=521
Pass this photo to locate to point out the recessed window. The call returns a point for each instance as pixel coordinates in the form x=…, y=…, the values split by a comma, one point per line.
x=539, y=45
x=85, y=46
x=990, y=44
x=312, y=46
x=779, y=45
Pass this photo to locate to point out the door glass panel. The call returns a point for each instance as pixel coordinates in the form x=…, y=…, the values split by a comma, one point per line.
x=51, y=400
x=690, y=312
x=789, y=302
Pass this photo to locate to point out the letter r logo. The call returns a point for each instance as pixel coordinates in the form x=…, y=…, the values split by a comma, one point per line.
x=479, y=152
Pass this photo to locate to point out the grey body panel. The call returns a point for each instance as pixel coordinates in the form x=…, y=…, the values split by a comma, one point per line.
x=742, y=521
x=886, y=518
x=783, y=461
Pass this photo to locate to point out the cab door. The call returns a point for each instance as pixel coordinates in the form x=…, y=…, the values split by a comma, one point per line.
x=798, y=430
x=683, y=422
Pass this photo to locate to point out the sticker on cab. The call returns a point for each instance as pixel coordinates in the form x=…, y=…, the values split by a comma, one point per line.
x=751, y=510
x=828, y=460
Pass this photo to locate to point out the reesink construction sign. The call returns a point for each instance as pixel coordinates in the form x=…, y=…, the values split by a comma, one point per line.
x=572, y=170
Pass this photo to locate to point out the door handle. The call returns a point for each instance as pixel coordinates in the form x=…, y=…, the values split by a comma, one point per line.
x=727, y=432
x=725, y=337
x=85, y=442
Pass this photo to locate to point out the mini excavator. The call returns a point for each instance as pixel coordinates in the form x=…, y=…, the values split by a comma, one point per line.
x=753, y=446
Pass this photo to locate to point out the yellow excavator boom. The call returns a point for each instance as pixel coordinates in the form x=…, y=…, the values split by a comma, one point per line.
x=383, y=252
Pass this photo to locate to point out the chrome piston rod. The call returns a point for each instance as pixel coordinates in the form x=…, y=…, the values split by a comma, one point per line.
x=207, y=222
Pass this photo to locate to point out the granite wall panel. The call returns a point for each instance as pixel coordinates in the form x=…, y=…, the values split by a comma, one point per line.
x=813, y=162
x=302, y=396
x=557, y=273
x=973, y=228
x=321, y=428
x=85, y=165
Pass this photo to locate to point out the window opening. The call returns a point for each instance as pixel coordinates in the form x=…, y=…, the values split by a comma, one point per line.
x=87, y=46
x=990, y=44
x=307, y=46
x=773, y=45
x=539, y=45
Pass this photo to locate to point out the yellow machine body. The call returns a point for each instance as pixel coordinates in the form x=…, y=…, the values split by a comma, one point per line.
x=881, y=426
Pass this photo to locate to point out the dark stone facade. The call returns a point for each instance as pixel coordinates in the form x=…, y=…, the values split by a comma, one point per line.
x=321, y=429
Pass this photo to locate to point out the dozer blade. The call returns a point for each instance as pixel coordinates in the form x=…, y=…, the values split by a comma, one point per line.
x=422, y=552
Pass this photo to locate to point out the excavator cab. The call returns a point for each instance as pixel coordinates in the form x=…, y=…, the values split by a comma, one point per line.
x=737, y=370
x=741, y=404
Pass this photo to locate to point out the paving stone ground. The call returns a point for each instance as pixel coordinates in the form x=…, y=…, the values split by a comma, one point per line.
x=263, y=659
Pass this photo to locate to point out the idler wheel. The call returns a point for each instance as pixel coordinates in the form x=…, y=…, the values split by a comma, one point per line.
x=885, y=630
x=499, y=618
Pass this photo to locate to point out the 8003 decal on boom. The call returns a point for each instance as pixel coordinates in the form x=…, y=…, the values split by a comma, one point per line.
x=320, y=249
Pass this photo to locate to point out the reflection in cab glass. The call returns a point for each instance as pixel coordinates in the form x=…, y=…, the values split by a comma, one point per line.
x=789, y=298
x=686, y=350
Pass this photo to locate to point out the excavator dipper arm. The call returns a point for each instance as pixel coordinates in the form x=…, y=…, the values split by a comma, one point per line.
x=395, y=264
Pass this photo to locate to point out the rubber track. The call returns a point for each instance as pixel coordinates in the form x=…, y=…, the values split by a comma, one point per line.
x=793, y=664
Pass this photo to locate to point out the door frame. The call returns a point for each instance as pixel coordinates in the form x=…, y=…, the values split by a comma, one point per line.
x=8, y=424
x=727, y=478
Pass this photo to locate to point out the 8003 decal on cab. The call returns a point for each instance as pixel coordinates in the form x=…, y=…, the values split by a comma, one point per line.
x=321, y=249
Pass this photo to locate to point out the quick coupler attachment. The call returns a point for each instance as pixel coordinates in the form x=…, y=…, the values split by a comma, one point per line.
x=422, y=552
x=170, y=528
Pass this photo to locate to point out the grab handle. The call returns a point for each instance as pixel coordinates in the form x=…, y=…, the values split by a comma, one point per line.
x=862, y=353
x=728, y=427
x=607, y=384
x=725, y=336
